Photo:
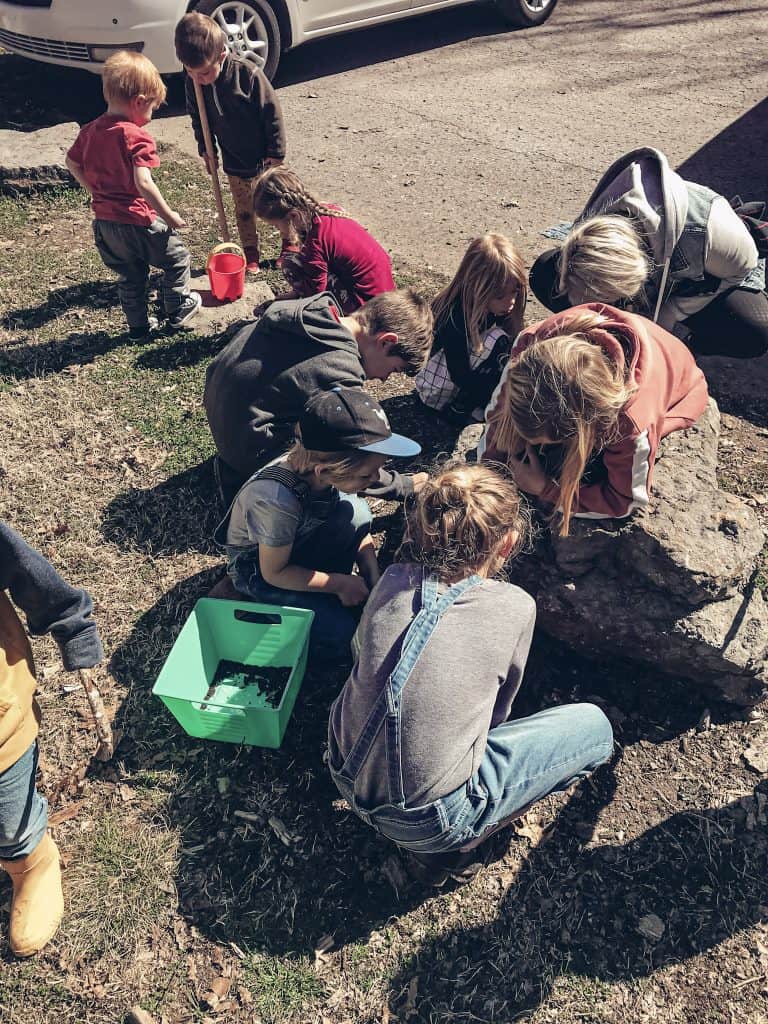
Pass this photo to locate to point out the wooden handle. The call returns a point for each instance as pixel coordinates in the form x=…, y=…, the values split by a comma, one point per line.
x=223, y=228
x=106, y=747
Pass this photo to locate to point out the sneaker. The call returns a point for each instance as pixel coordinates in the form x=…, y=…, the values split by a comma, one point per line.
x=252, y=261
x=145, y=331
x=186, y=311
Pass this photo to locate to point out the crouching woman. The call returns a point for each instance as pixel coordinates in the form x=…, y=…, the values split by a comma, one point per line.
x=419, y=739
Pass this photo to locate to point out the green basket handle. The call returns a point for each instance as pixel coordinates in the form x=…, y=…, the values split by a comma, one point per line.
x=262, y=618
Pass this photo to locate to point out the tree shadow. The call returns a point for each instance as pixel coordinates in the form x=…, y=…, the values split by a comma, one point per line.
x=178, y=515
x=573, y=911
x=87, y=294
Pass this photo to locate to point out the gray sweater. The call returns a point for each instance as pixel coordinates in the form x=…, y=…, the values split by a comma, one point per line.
x=463, y=684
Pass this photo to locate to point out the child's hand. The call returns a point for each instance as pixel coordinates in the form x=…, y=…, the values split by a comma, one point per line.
x=350, y=590
x=174, y=220
x=272, y=161
x=527, y=470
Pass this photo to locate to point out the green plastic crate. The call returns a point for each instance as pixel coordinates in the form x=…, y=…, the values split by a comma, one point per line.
x=253, y=634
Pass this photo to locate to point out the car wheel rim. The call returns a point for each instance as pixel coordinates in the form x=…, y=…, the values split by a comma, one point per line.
x=537, y=6
x=246, y=33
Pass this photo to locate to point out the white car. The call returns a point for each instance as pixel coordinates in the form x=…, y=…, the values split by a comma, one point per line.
x=83, y=33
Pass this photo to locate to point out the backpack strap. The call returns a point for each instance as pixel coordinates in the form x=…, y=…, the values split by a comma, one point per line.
x=298, y=487
x=289, y=479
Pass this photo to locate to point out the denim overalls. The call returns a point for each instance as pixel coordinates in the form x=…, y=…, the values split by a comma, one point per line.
x=524, y=759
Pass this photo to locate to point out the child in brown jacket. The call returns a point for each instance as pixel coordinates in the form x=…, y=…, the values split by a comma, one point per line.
x=243, y=114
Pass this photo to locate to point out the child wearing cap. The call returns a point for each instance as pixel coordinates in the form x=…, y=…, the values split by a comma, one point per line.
x=297, y=527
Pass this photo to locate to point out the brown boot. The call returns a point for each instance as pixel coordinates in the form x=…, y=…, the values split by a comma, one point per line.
x=38, y=902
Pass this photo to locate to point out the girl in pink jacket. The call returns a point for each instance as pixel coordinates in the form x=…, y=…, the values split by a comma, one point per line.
x=585, y=399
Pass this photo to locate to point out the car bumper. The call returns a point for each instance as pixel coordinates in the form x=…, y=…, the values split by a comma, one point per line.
x=81, y=34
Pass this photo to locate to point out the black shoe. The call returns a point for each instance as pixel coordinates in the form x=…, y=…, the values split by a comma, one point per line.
x=186, y=311
x=436, y=869
x=146, y=330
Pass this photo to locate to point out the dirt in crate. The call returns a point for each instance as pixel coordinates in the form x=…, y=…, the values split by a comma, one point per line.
x=269, y=679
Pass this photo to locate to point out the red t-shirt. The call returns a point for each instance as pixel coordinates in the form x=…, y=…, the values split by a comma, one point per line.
x=342, y=248
x=108, y=149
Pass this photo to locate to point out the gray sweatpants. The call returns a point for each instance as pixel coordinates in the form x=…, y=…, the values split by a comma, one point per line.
x=130, y=250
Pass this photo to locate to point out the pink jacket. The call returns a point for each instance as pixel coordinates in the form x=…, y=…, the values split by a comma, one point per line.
x=671, y=395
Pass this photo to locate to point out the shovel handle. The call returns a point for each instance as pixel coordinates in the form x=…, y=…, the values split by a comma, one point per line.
x=222, y=217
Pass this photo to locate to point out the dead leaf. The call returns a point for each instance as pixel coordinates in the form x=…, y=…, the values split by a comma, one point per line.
x=531, y=826
x=221, y=986
x=651, y=927
x=280, y=830
x=66, y=813
x=393, y=871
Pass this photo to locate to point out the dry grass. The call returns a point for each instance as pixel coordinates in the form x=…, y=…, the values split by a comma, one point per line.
x=199, y=914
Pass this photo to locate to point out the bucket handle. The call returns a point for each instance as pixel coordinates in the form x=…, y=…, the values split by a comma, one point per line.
x=262, y=618
x=231, y=247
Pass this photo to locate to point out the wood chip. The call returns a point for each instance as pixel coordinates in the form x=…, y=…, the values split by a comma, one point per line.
x=66, y=813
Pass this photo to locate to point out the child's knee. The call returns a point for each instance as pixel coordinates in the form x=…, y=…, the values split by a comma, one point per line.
x=361, y=513
x=593, y=722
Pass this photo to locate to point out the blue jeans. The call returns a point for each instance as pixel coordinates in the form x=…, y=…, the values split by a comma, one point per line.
x=331, y=547
x=523, y=761
x=23, y=812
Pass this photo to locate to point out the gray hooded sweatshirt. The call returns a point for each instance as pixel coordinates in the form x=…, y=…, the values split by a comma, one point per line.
x=699, y=246
x=257, y=386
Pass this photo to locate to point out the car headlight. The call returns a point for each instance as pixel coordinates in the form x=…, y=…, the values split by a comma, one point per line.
x=99, y=54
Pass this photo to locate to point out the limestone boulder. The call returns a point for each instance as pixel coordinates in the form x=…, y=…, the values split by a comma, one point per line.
x=673, y=586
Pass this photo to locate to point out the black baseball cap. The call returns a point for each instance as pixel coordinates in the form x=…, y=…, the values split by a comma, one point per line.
x=348, y=418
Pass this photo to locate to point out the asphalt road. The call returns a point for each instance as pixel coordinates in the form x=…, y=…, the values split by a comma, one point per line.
x=437, y=128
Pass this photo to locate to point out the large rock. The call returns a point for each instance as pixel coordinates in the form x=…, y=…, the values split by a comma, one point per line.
x=32, y=161
x=672, y=586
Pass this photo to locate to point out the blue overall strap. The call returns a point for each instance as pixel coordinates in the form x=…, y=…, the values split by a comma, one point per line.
x=413, y=643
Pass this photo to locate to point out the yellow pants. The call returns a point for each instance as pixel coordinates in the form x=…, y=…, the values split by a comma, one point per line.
x=242, y=193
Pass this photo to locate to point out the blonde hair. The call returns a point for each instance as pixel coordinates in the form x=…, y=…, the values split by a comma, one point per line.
x=337, y=467
x=198, y=40
x=603, y=260
x=460, y=519
x=127, y=75
x=490, y=264
x=408, y=315
x=566, y=388
x=279, y=192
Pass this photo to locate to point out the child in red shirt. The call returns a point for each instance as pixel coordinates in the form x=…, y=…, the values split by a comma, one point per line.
x=134, y=227
x=324, y=249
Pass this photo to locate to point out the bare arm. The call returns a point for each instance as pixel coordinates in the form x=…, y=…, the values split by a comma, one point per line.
x=367, y=562
x=277, y=570
x=77, y=173
x=145, y=183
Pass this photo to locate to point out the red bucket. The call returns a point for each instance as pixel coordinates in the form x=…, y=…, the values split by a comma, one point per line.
x=226, y=272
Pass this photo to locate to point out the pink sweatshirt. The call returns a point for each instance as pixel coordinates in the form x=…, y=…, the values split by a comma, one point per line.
x=671, y=395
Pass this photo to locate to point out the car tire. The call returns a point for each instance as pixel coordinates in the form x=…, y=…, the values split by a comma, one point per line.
x=251, y=28
x=526, y=13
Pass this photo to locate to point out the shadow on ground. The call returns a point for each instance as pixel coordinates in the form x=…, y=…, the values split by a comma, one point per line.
x=150, y=520
x=733, y=162
x=272, y=859
x=576, y=911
